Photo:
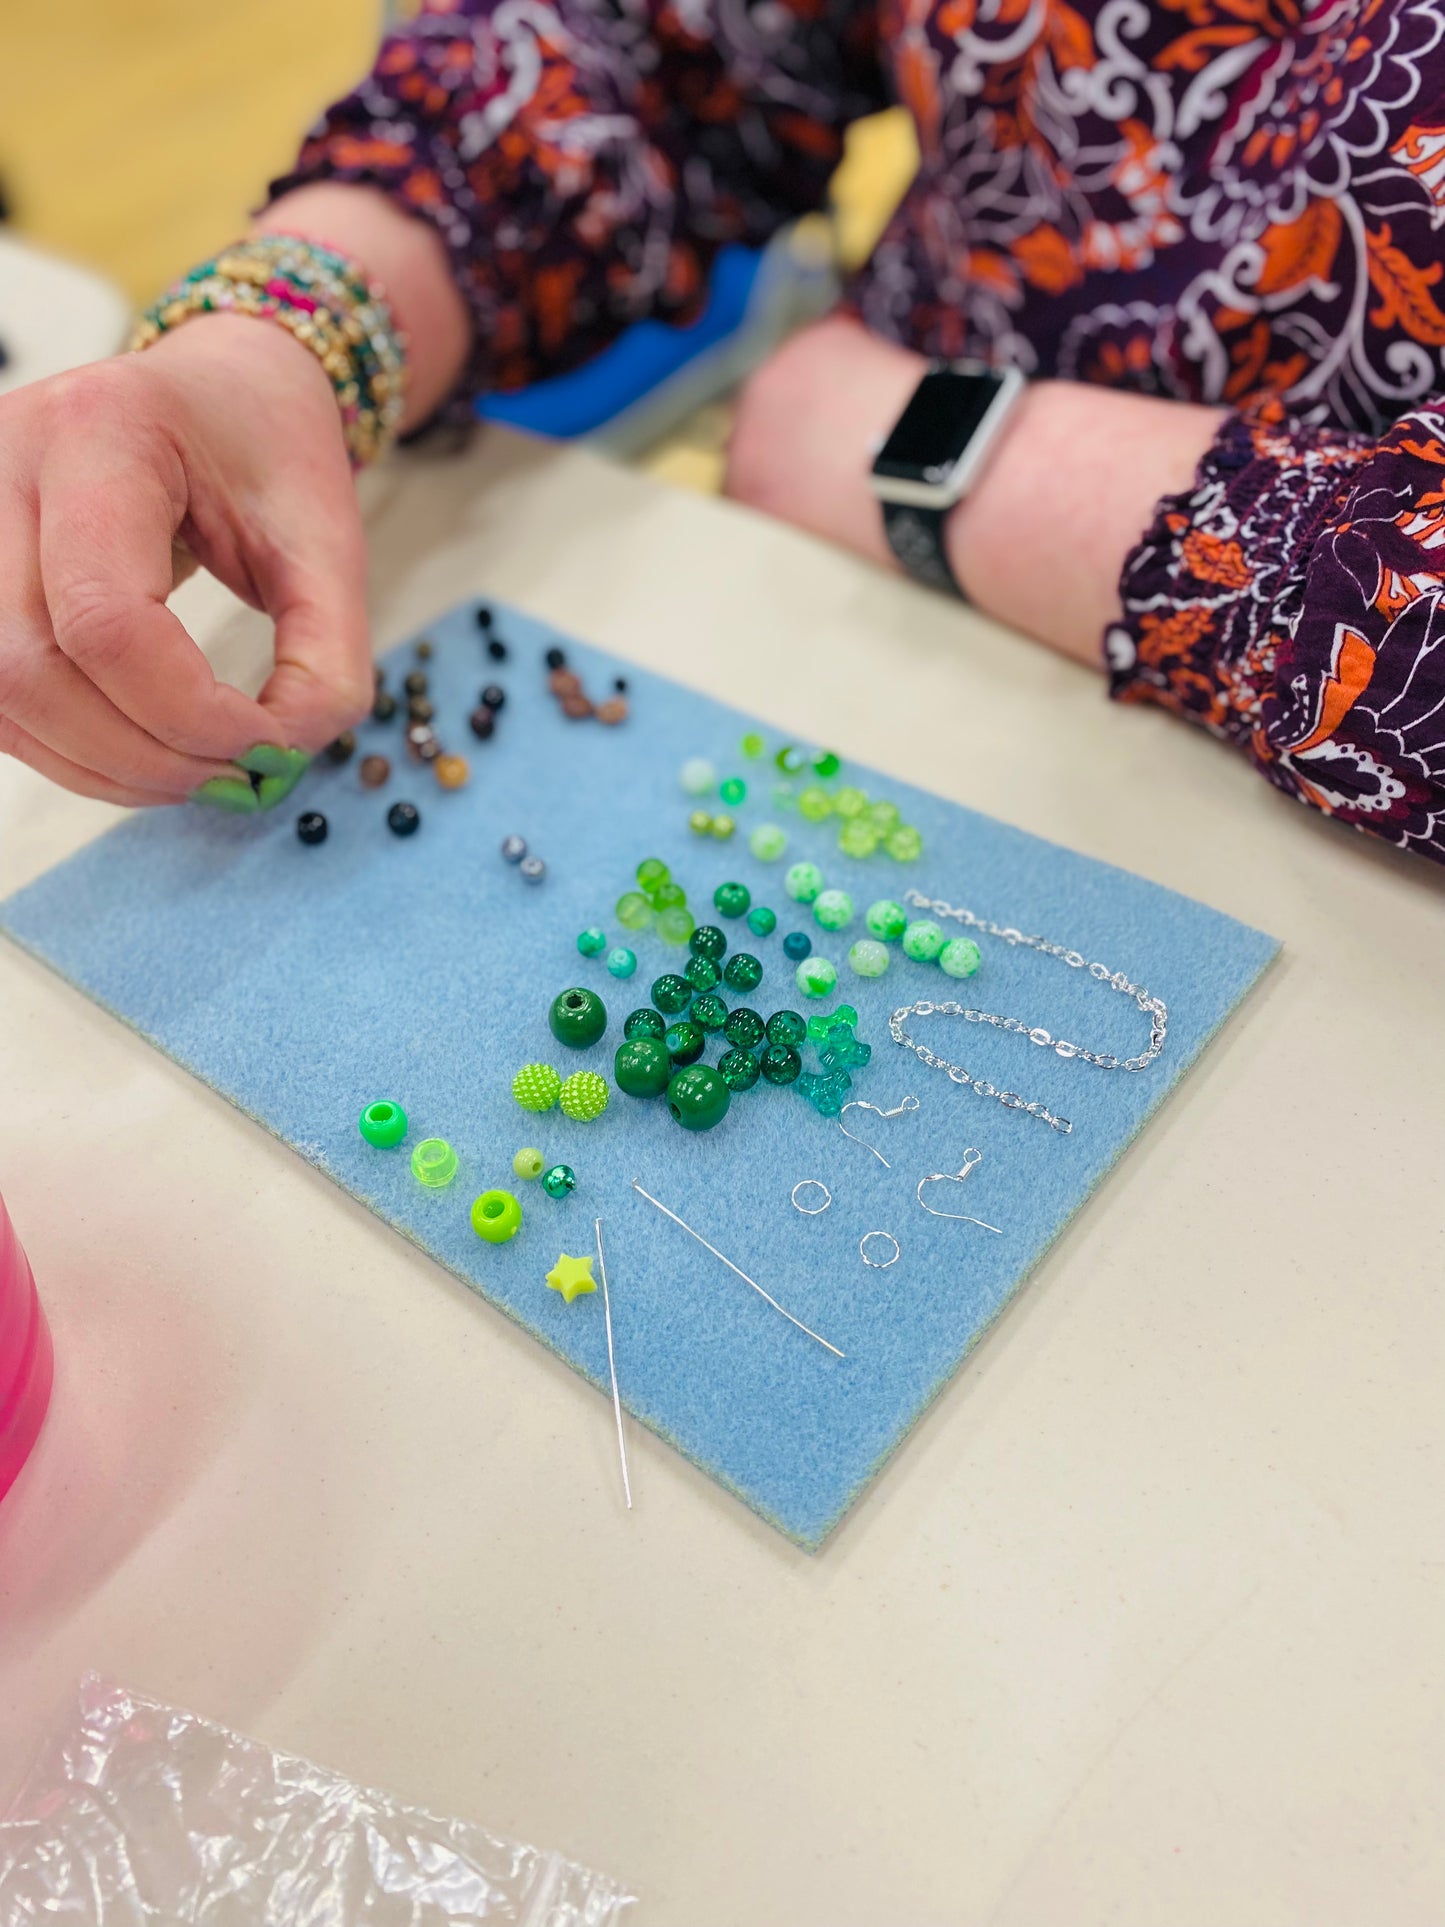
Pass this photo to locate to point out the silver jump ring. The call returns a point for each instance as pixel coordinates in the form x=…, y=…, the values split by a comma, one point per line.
x=878, y=1264
x=811, y=1210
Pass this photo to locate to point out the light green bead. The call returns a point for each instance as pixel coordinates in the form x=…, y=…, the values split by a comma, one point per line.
x=722, y=826
x=732, y=791
x=849, y=801
x=753, y=746
x=833, y=909
x=959, y=957
x=816, y=977
x=434, y=1163
x=583, y=1096
x=886, y=920
x=803, y=882
x=785, y=796
x=634, y=912
x=676, y=925
x=700, y=823
x=768, y=842
x=496, y=1216
x=529, y=1164
x=923, y=940
x=815, y=803
x=905, y=844
x=697, y=777
x=857, y=837
x=884, y=817
x=536, y=1087
x=869, y=958
x=651, y=873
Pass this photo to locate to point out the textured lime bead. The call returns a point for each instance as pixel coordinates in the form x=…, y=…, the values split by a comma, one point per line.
x=886, y=920
x=592, y=941
x=743, y=972
x=621, y=962
x=536, y=1087
x=702, y=973
x=827, y=763
x=529, y=1163
x=959, y=957
x=816, y=977
x=722, y=826
x=708, y=941
x=786, y=1027
x=738, y=1069
x=762, y=921
x=496, y=1216
x=700, y=823
x=577, y=1018
x=644, y=1023
x=744, y=1029
x=642, y=1067
x=780, y=1064
x=671, y=993
x=768, y=842
x=868, y=957
x=923, y=940
x=434, y=1163
x=560, y=1181
x=709, y=1012
x=684, y=1042
x=833, y=909
x=698, y=1098
x=814, y=803
x=383, y=1124
x=634, y=912
x=584, y=1096
x=697, y=777
x=676, y=924
x=857, y=838
x=752, y=746
x=905, y=844
x=849, y=801
x=884, y=817
x=732, y=791
x=803, y=882
x=651, y=873
x=732, y=899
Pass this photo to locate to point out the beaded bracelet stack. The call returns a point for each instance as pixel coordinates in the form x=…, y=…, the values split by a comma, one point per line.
x=322, y=299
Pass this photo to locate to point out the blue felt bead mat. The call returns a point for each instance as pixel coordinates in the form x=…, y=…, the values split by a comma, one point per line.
x=303, y=983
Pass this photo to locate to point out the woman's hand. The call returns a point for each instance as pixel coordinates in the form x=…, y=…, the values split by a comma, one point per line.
x=224, y=440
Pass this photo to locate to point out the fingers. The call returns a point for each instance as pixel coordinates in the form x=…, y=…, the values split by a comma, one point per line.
x=14, y=741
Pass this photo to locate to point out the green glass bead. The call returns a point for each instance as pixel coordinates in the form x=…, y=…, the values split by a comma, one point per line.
x=634, y=912
x=743, y=972
x=733, y=790
x=592, y=942
x=815, y=804
x=905, y=844
x=959, y=957
x=651, y=872
x=708, y=941
x=434, y=1163
x=536, y=1087
x=583, y=1096
x=709, y=1012
x=671, y=993
x=732, y=899
x=700, y=823
x=762, y=921
x=668, y=896
x=857, y=838
x=496, y=1216
x=559, y=1181
x=744, y=1029
x=790, y=759
x=529, y=1164
x=644, y=1023
x=785, y=796
x=642, y=1066
x=621, y=962
x=884, y=817
x=786, y=1027
x=698, y=1098
x=780, y=1064
x=923, y=940
x=722, y=827
x=738, y=1069
x=816, y=977
x=676, y=925
x=869, y=958
x=833, y=909
x=697, y=778
x=886, y=920
x=752, y=746
x=768, y=842
x=803, y=882
x=827, y=763
x=577, y=1018
x=702, y=973
x=684, y=1042
x=849, y=801
x=384, y=1124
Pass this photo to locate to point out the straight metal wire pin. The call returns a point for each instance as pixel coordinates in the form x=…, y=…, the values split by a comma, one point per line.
x=612, y=1363
x=805, y=1329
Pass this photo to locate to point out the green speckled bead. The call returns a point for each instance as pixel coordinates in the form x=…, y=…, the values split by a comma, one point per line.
x=559, y=1181
x=684, y=1042
x=816, y=977
x=959, y=957
x=644, y=1023
x=762, y=921
x=698, y=1098
x=621, y=962
x=642, y=1066
x=676, y=924
x=732, y=899
x=743, y=972
x=671, y=993
x=738, y=1069
x=849, y=801
x=577, y=1018
x=857, y=838
x=708, y=1012
x=708, y=941
x=905, y=844
x=592, y=942
x=815, y=804
x=786, y=1027
x=584, y=1096
x=833, y=909
x=768, y=842
x=700, y=823
x=634, y=912
x=884, y=817
x=886, y=920
x=702, y=973
x=827, y=763
x=651, y=872
x=733, y=790
x=744, y=1028
x=923, y=940
x=803, y=882
x=869, y=958
x=780, y=1064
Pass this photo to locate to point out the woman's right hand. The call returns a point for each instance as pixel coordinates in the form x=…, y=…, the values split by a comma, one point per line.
x=222, y=440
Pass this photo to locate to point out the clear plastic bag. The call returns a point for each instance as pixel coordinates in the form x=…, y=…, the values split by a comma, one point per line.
x=141, y=1814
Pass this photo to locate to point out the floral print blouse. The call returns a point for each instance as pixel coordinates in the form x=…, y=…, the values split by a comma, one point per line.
x=1228, y=201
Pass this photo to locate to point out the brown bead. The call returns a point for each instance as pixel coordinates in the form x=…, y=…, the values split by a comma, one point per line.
x=419, y=738
x=343, y=749
x=562, y=682
x=415, y=684
x=419, y=710
x=614, y=710
x=429, y=751
x=423, y=650
x=452, y=771
x=483, y=722
x=374, y=771
x=576, y=707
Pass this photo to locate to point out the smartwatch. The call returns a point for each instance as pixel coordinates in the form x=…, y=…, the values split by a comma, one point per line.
x=933, y=456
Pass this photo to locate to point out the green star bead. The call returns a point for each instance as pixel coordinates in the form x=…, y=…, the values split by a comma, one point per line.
x=786, y=1027
x=762, y=921
x=621, y=962
x=642, y=1067
x=923, y=940
x=536, y=1087
x=886, y=920
x=780, y=1064
x=768, y=842
x=904, y=845
x=815, y=805
x=700, y=823
x=684, y=1041
x=668, y=896
x=803, y=882
x=583, y=1096
x=577, y=1018
x=698, y=1098
x=849, y=801
x=827, y=763
x=634, y=912
x=869, y=958
x=708, y=1012
x=816, y=977
x=752, y=746
x=592, y=942
x=733, y=791
x=857, y=838
x=959, y=957
x=743, y=972
x=676, y=925
x=744, y=1029
x=559, y=1181
x=884, y=817
x=384, y=1124
x=644, y=1023
x=833, y=909
x=702, y=973
x=671, y=993
x=732, y=899
x=738, y=1069
x=708, y=941
x=652, y=871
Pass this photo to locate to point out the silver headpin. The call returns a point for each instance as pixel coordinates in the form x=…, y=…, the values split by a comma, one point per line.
x=612, y=1363
x=861, y=1104
x=971, y=1161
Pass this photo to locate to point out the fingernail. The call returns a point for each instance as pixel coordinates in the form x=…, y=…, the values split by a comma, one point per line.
x=269, y=759
x=272, y=789
x=227, y=793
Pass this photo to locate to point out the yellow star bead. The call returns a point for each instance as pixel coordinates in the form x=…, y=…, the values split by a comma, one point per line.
x=572, y=1277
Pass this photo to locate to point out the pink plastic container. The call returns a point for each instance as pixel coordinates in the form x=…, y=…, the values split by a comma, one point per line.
x=26, y=1360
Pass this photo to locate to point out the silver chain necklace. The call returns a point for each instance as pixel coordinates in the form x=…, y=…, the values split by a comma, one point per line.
x=1153, y=1007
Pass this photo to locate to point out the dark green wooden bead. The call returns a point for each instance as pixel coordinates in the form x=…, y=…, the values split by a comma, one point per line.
x=732, y=899
x=698, y=1098
x=709, y=1012
x=708, y=941
x=738, y=1069
x=684, y=1041
x=743, y=972
x=644, y=1023
x=578, y=1018
x=642, y=1066
x=781, y=1064
x=786, y=1027
x=672, y=993
x=702, y=973
x=744, y=1029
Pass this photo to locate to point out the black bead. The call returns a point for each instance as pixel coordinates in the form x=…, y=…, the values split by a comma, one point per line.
x=415, y=684
x=343, y=749
x=493, y=696
x=423, y=650
x=496, y=649
x=483, y=616
x=619, y=683
x=419, y=710
x=483, y=722
x=311, y=827
x=555, y=659
x=378, y=675
x=384, y=708
x=403, y=819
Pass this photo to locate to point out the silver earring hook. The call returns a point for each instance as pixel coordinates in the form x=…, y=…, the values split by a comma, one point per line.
x=971, y=1160
x=861, y=1104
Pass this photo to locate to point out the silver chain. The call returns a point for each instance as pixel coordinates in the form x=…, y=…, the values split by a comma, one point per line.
x=1154, y=1009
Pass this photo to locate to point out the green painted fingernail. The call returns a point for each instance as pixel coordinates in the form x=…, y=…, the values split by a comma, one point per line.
x=227, y=793
x=268, y=759
x=273, y=789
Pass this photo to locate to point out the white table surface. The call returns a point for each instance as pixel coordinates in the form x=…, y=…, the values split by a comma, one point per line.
x=54, y=313
x=1144, y=1623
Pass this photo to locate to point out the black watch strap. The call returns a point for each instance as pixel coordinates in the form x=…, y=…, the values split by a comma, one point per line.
x=915, y=536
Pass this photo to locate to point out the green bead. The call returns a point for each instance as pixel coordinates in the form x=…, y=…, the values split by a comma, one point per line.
x=744, y=1028
x=816, y=977
x=722, y=826
x=702, y=973
x=684, y=1041
x=833, y=909
x=709, y=1012
x=676, y=925
x=821, y=1027
x=671, y=993
x=815, y=803
x=708, y=941
x=668, y=896
x=803, y=882
x=786, y=1027
x=559, y=1181
x=697, y=777
x=434, y=1163
x=827, y=764
x=634, y=912
x=583, y=1096
x=869, y=958
x=762, y=921
x=698, y=1098
x=923, y=940
x=621, y=962
x=785, y=796
x=700, y=823
x=738, y=1069
x=536, y=1087
x=577, y=1018
x=768, y=842
x=790, y=759
x=743, y=972
x=383, y=1124
x=592, y=942
x=529, y=1164
x=644, y=1023
x=904, y=845
x=651, y=872
x=496, y=1216
x=780, y=1064
x=732, y=899
x=752, y=746
x=884, y=817
x=959, y=957
x=849, y=801
x=733, y=791
x=886, y=920
x=857, y=838
x=642, y=1066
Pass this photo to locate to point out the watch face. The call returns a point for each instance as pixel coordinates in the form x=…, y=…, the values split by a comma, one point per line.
x=936, y=427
